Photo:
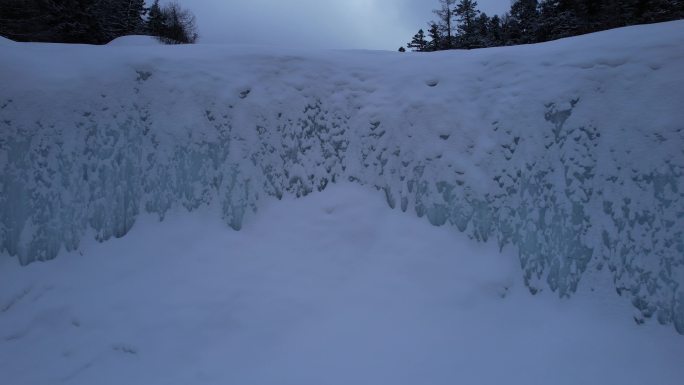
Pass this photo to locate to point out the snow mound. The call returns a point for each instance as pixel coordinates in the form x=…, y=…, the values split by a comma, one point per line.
x=571, y=152
x=134, y=40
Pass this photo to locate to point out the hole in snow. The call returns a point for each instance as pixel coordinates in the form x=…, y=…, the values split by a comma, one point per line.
x=123, y=348
x=432, y=82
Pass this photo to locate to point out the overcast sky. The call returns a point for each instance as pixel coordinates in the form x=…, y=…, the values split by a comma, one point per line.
x=368, y=24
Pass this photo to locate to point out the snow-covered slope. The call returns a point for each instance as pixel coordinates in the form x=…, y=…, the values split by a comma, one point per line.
x=332, y=289
x=5, y=41
x=570, y=151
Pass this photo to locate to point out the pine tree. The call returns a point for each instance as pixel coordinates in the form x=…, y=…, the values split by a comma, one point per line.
x=155, y=20
x=402, y=49
x=494, y=31
x=531, y=21
x=613, y=14
x=117, y=18
x=135, y=16
x=418, y=43
x=482, y=33
x=92, y=21
x=524, y=21
x=179, y=27
x=435, y=43
x=558, y=19
x=466, y=12
x=59, y=21
x=446, y=15
x=651, y=11
x=506, y=30
x=77, y=24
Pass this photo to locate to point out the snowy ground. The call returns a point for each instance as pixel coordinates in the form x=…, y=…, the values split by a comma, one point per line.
x=333, y=288
x=571, y=151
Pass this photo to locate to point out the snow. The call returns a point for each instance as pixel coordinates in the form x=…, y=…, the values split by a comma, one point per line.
x=332, y=288
x=569, y=152
x=134, y=40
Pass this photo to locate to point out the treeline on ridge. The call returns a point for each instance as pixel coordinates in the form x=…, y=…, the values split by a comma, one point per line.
x=460, y=25
x=94, y=21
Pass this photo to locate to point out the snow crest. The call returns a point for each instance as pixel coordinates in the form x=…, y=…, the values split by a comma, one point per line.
x=571, y=151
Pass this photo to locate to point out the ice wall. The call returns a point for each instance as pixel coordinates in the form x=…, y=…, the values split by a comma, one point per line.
x=572, y=151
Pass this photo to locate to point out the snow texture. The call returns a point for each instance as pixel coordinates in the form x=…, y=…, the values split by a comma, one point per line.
x=570, y=151
x=332, y=288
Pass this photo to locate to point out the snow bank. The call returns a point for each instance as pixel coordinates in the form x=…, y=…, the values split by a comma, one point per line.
x=571, y=151
x=134, y=40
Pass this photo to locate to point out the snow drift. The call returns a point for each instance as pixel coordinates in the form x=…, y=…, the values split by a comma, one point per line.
x=571, y=151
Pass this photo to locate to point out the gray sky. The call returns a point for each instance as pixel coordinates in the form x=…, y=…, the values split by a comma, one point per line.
x=368, y=24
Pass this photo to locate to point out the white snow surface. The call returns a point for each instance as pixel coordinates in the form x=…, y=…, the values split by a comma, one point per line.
x=570, y=152
x=332, y=288
x=134, y=40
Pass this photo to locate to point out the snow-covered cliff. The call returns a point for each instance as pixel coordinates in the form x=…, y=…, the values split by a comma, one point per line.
x=572, y=152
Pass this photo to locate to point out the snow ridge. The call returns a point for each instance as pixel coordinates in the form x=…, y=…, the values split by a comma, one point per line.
x=571, y=151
